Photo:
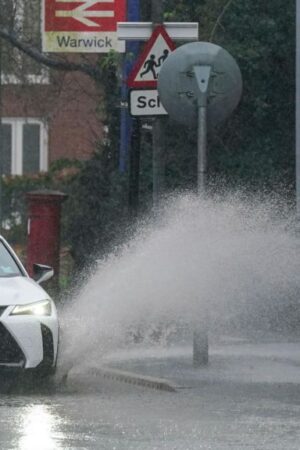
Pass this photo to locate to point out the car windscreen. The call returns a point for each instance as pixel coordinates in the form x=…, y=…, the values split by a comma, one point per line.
x=8, y=266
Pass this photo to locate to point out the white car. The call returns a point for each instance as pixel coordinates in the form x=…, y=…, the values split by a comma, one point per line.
x=28, y=317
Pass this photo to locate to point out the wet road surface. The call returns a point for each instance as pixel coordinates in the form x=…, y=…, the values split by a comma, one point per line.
x=98, y=414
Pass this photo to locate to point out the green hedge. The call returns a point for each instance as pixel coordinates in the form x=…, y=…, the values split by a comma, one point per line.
x=61, y=176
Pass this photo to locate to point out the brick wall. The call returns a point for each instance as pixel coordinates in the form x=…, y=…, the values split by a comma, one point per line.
x=69, y=106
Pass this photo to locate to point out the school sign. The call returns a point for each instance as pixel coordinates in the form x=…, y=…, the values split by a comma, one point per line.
x=82, y=26
x=143, y=98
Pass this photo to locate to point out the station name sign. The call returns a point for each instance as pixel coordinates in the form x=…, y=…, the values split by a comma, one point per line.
x=82, y=26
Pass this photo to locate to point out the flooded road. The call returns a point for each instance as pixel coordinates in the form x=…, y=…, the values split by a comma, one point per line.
x=216, y=419
x=236, y=260
x=256, y=410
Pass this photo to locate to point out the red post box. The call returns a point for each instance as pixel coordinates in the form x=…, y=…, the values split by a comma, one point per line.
x=44, y=216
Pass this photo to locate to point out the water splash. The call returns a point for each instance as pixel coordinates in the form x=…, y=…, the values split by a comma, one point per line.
x=235, y=258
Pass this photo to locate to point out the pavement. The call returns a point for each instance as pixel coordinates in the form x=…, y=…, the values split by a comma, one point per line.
x=170, y=368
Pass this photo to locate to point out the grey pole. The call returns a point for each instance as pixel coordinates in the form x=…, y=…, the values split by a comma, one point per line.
x=200, y=334
x=202, y=75
x=157, y=12
x=1, y=139
x=298, y=111
x=157, y=16
x=158, y=160
x=202, y=149
x=134, y=168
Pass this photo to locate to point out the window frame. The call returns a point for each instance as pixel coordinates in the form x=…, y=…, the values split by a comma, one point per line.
x=31, y=79
x=17, y=143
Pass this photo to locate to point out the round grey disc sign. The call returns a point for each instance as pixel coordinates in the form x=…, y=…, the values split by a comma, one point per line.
x=178, y=89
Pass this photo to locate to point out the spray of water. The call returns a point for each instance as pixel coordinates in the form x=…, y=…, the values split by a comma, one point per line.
x=233, y=259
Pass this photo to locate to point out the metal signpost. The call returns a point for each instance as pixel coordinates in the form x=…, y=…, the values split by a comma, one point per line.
x=130, y=133
x=158, y=126
x=144, y=76
x=145, y=101
x=298, y=111
x=1, y=143
x=202, y=75
x=200, y=84
x=82, y=26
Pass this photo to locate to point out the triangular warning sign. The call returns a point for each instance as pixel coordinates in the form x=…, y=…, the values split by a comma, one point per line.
x=146, y=70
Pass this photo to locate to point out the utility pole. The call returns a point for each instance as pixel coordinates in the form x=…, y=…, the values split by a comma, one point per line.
x=133, y=14
x=298, y=111
x=134, y=167
x=157, y=18
x=1, y=137
x=130, y=128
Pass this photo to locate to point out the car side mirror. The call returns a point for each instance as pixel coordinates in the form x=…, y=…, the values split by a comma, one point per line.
x=42, y=273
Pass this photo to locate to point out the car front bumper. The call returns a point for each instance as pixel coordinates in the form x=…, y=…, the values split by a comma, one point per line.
x=28, y=341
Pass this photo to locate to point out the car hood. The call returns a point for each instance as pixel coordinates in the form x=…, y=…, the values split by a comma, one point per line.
x=19, y=291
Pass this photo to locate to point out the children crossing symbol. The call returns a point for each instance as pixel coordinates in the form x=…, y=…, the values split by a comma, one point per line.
x=146, y=71
x=151, y=64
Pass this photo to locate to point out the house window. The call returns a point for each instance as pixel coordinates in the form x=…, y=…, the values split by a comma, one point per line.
x=25, y=149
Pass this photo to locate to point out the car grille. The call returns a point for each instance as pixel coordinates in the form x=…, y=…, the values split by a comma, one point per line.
x=10, y=352
x=2, y=309
x=48, y=347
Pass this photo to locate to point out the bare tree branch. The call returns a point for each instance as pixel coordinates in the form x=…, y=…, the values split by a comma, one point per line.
x=219, y=19
x=89, y=69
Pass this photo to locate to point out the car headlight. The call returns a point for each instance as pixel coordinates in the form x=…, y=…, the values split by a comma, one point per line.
x=42, y=308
